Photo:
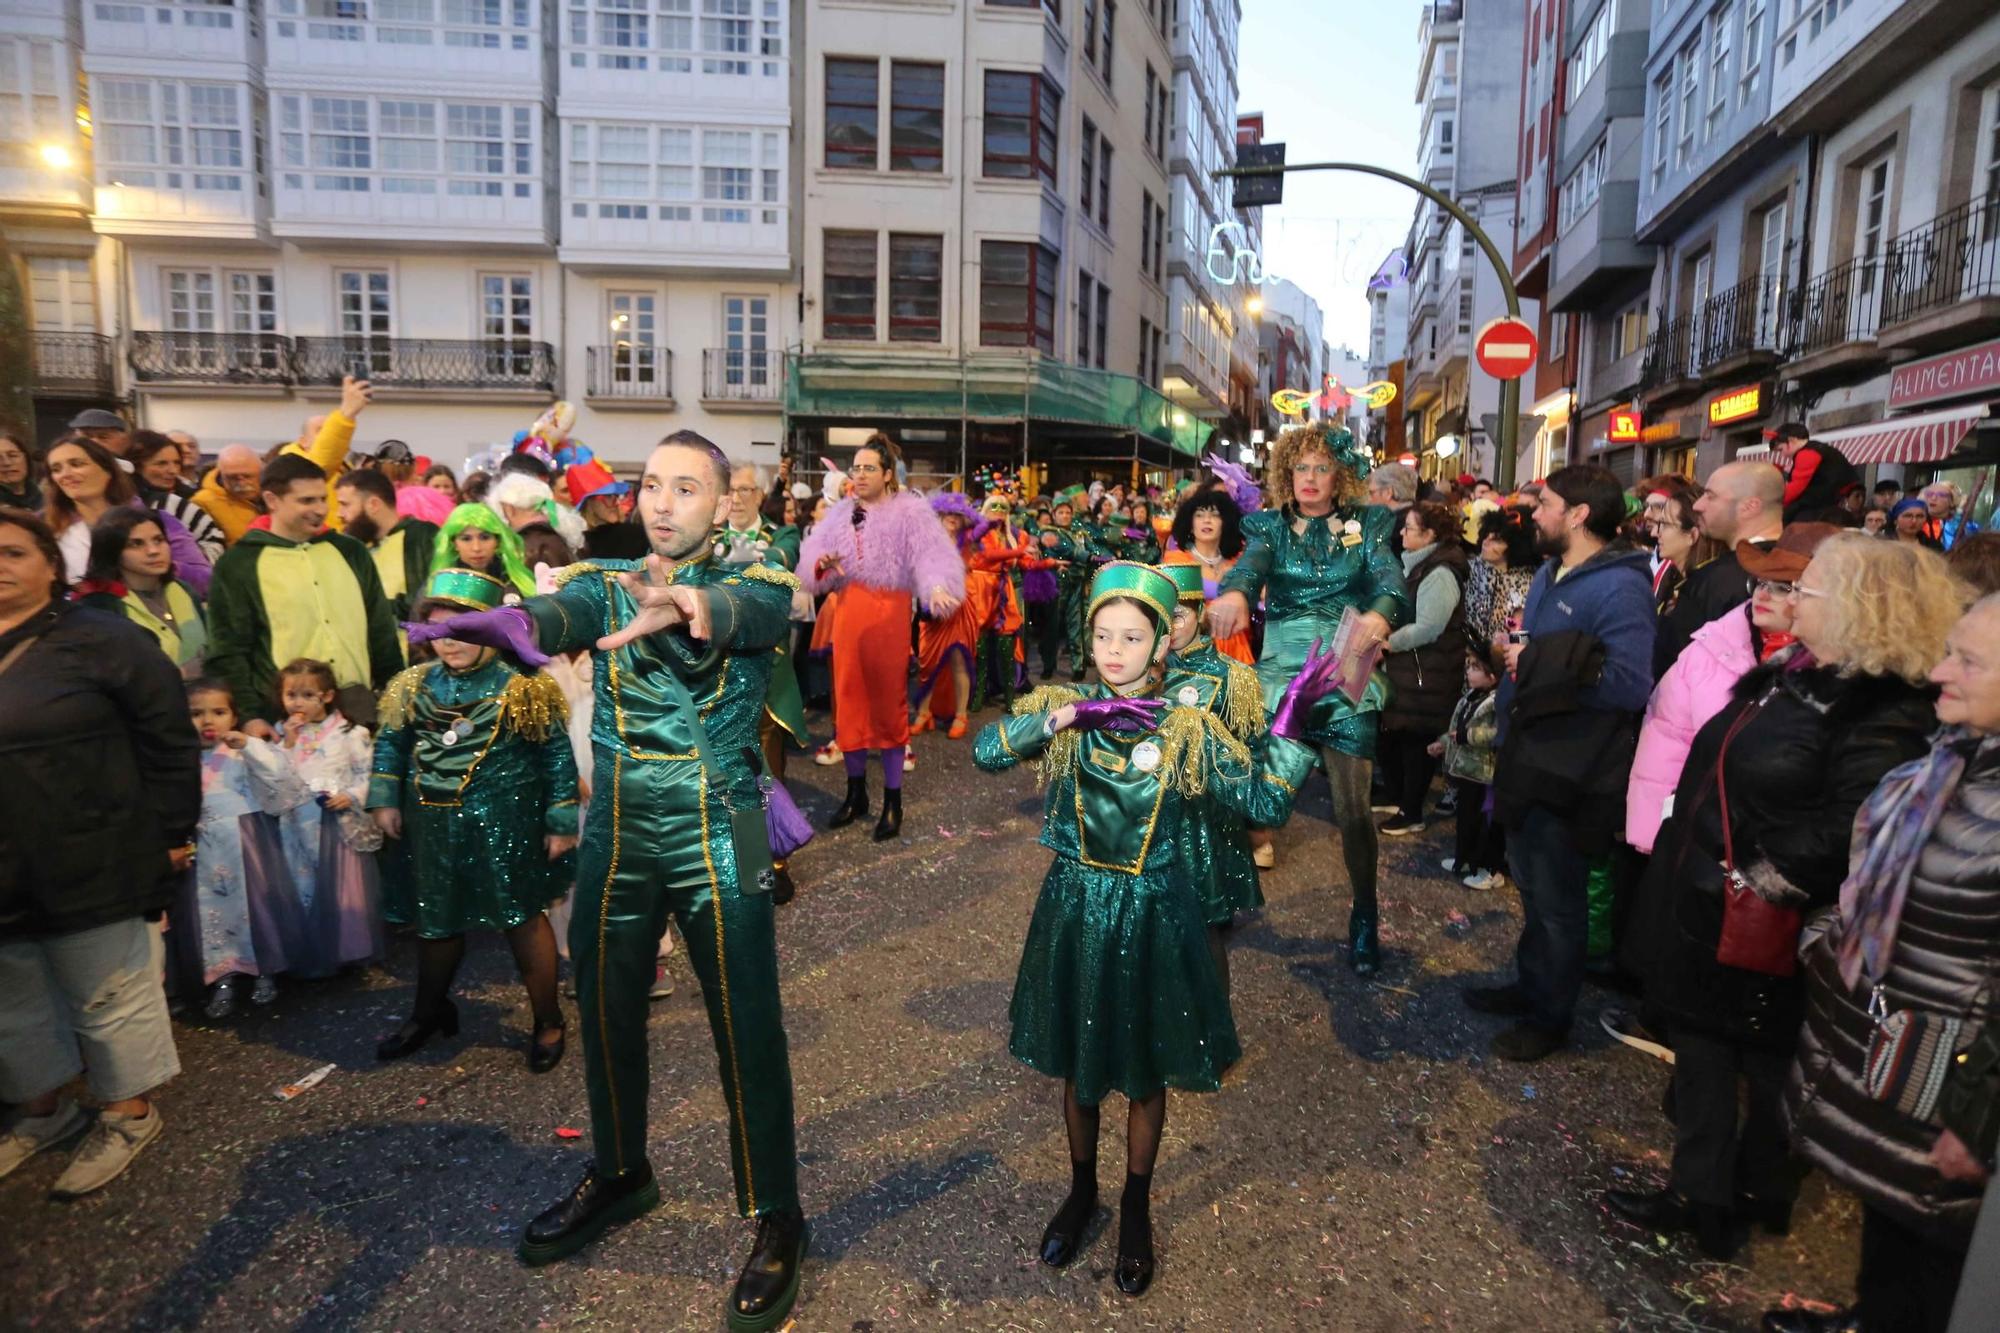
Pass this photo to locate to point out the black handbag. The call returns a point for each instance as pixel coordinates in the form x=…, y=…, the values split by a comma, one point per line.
x=1969, y=1103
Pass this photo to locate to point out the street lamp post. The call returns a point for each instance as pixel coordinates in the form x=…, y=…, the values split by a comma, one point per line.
x=1510, y=390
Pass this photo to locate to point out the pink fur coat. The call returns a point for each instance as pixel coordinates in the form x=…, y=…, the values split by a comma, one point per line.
x=902, y=546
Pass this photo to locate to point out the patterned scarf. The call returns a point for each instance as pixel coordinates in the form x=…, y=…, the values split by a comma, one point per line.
x=1895, y=822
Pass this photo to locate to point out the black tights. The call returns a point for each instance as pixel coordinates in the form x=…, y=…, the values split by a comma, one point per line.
x=1218, y=949
x=1347, y=779
x=1145, y=1122
x=534, y=945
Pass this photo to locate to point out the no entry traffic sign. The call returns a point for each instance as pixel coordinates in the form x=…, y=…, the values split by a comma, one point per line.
x=1506, y=348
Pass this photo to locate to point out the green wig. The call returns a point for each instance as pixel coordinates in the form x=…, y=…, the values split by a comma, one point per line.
x=513, y=557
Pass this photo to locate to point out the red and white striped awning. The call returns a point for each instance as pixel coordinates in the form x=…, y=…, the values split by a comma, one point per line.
x=1912, y=439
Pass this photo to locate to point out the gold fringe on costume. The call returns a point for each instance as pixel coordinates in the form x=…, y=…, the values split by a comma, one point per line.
x=1059, y=755
x=534, y=706
x=576, y=571
x=394, y=708
x=1242, y=701
x=1184, y=733
x=771, y=574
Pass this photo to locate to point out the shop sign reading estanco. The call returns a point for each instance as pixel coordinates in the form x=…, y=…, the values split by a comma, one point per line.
x=1966, y=373
x=1736, y=405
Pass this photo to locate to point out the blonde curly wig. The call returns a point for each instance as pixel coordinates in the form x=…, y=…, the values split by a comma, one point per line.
x=1297, y=442
x=1887, y=606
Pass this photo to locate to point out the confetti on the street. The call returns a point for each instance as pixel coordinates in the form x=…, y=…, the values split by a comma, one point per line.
x=312, y=1080
x=566, y=1132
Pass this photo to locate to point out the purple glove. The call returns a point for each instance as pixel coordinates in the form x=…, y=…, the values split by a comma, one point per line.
x=509, y=627
x=1119, y=714
x=1316, y=679
x=1136, y=534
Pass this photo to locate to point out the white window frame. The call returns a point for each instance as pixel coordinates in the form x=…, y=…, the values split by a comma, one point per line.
x=1876, y=182
x=371, y=332
x=745, y=352
x=1687, y=92
x=633, y=317
x=1986, y=167
x=1663, y=124
x=63, y=285
x=1774, y=223
x=1721, y=38
x=408, y=144
x=508, y=330
x=184, y=150
x=1753, y=51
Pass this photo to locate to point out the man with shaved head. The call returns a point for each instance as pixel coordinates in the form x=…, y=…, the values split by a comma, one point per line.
x=1743, y=502
x=685, y=642
x=230, y=492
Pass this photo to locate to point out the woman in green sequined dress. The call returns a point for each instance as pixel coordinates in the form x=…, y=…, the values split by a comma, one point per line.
x=1319, y=552
x=475, y=785
x=1117, y=990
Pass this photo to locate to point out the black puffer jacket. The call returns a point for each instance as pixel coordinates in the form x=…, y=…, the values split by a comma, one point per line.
x=1945, y=960
x=1425, y=682
x=1797, y=773
x=100, y=773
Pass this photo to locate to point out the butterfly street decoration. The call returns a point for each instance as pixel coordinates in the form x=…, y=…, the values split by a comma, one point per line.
x=1334, y=399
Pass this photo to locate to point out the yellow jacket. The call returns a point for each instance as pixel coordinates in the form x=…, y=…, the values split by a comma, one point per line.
x=329, y=450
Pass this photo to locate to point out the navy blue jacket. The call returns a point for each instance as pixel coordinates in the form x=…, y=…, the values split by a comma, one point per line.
x=1610, y=598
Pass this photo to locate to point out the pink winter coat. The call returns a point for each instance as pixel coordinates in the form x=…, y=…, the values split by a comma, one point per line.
x=1694, y=690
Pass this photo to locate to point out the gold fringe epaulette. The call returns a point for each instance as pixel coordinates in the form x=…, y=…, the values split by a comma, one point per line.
x=771, y=574
x=576, y=571
x=393, y=710
x=1242, y=700
x=533, y=707
x=1184, y=735
x=1059, y=755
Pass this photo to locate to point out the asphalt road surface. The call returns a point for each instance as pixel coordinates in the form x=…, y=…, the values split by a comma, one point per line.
x=1367, y=1166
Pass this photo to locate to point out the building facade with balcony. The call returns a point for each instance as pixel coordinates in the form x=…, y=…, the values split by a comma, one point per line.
x=1598, y=274
x=1469, y=57
x=1388, y=335
x=986, y=272
x=1894, y=340
x=45, y=200
x=1196, y=118
x=1722, y=201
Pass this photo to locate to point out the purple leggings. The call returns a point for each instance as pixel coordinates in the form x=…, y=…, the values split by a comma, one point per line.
x=892, y=765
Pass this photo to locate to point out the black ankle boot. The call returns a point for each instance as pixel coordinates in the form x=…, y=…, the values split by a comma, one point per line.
x=854, y=807
x=409, y=1038
x=1713, y=1227
x=1364, y=942
x=769, y=1283
x=1064, y=1233
x=597, y=1203
x=782, y=888
x=891, y=823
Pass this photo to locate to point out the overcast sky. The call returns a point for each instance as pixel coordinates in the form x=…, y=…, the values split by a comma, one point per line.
x=1336, y=82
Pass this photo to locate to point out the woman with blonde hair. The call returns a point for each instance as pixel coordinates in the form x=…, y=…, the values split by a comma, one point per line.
x=1318, y=553
x=1757, y=841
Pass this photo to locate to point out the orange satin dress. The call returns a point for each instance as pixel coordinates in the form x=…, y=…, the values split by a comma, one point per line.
x=938, y=641
x=1236, y=645
x=871, y=668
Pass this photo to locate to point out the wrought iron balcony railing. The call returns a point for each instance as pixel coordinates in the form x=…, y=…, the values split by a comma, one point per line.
x=1841, y=305
x=72, y=362
x=1669, y=354
x=1749, y=317
x=1954, y=257
x=744, y=376
x=160, y=357
x=629, y=370
x=430, y=363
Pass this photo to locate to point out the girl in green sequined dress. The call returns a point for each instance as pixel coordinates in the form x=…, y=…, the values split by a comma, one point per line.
x=1117, y=990
x=475, y=785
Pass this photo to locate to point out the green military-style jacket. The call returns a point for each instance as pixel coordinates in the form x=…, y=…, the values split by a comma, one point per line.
x=777, y=546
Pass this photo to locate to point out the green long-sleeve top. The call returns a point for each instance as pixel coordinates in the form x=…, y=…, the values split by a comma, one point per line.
x=1320, y=567
x=1117, y=800
x=635, y=713
x=492, y=740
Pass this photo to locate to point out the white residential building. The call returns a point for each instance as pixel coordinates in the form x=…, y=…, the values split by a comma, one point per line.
x=1205, y=315
x=481, y=204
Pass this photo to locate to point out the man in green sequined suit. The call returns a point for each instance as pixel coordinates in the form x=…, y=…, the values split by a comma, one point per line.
x=683, y=632
x=1320, y=552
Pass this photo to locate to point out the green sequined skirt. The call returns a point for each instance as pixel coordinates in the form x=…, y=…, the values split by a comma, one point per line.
x=463, y=868
x=1337, y=722
x=1215, y=847
x=1117, y=990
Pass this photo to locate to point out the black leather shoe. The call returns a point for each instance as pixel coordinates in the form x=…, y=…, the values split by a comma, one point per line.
x=854, y=807
x=596, y=1204
x=1805, y=1321
x=1134, y=1272
x=769, y=1283
x=1509, y=1001
x=1713, y=1227
x=1774, y=1215
x=1364, y=944
x=1061, y=1240
x=782, y=888
x=410, y=1038
x=545, y=1055
x=891, y=823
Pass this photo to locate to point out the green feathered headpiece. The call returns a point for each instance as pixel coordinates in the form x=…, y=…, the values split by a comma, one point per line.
x=513, y=558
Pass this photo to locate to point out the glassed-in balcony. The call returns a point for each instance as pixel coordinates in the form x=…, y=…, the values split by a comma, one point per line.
x=495, y=43
x=720, y=238
x=165, y=31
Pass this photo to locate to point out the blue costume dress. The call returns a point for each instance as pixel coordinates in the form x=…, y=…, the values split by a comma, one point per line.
x=1117, y=990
